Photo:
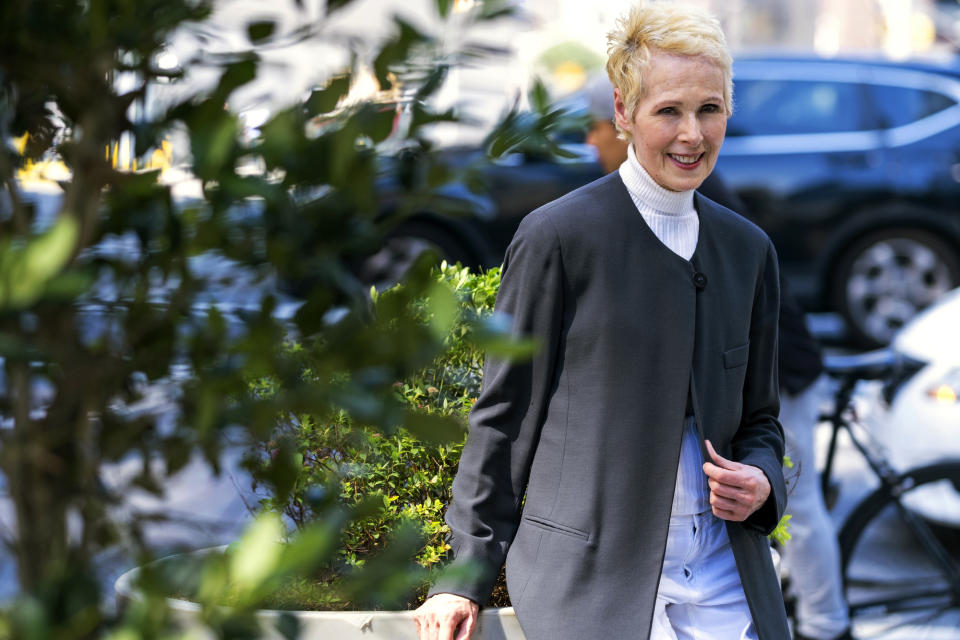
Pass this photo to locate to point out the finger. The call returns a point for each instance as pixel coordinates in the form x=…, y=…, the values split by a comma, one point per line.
x=719, y=460
x=733, y=486
x=466, y=628
x=723, y=476
x=435, y=628
x=428, y=630
x=727, y=514
x=725, y=503
x=729, y=492
x=450, y=625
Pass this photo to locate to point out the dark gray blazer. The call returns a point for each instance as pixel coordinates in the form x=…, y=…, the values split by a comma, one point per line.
x=570, y=465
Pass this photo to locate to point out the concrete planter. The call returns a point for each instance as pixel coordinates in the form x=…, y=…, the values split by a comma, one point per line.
x=495, y=624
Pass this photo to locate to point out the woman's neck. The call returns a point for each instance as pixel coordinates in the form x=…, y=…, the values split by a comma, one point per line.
x=646, y=189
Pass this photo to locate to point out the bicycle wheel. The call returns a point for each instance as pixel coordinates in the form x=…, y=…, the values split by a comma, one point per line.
x=897, y=573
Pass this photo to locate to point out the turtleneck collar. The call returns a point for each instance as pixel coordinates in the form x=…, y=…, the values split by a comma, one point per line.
x=643, y=188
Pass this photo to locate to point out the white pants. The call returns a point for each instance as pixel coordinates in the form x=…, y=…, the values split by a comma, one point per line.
x=700, y=595
x=811, y=558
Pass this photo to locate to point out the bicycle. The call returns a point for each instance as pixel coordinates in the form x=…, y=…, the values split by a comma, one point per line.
x=878, y=603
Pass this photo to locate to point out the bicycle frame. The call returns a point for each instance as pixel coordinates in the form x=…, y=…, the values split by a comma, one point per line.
x=893, y=485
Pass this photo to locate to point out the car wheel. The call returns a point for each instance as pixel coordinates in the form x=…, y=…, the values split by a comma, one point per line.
x=889, y=276
x=404, y=245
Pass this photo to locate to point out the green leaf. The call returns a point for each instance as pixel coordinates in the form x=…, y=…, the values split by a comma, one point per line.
x=288, y=625
x=256, y=556
x=444, y=308
x=236, y=75
x=325, y=100
x=215, y=146
x=493, y=333
x=493, y=9
x=433, y=82
x=315, y=544
x=560, y=152
x=282, y=136
x=333, y=5
x=443, y=7
x=434, y=429
x=376, y=120
x=26, y=270
x=14, y=347
x=782, y=531
x=422, y=116
x=539, y=97
x=282, y=471
x=260, y=30
x=506, y=137
x=309, y=318
x=396, y=51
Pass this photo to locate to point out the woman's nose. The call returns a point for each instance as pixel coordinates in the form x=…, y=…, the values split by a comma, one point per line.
x=690, y=132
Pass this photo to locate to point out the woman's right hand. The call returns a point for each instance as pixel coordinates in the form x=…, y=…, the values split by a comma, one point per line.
x=446, y=616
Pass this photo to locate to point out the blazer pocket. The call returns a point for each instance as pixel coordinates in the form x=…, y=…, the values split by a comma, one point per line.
x=556, y=527
x=736, y=357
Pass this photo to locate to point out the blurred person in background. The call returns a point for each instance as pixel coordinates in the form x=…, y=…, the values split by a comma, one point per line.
x=812, y=557
x=630, y=472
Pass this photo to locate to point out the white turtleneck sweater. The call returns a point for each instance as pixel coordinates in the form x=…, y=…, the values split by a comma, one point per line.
x=670, y=214
x=673, y=219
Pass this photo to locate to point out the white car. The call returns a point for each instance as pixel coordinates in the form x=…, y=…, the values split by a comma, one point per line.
x=922, y=425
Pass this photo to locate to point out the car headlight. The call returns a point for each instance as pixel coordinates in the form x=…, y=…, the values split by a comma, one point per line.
x=946, y=390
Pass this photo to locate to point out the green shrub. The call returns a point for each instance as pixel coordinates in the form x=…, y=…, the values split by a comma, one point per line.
x=393, y=480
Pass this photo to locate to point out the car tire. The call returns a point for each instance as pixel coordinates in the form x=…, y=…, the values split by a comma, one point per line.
x=404, y=245
x=887, y=277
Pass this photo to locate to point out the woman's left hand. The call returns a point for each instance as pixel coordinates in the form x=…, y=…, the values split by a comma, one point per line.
x=736, y=490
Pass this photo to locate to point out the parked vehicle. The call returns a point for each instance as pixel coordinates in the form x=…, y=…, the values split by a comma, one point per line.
x=853, y=168
x=851, y=165
x=509, y=188
x=921, y=425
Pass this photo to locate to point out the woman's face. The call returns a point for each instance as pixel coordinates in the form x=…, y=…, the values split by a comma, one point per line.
x=680, y=121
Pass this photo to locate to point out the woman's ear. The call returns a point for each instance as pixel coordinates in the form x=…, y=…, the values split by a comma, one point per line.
x=620, y=112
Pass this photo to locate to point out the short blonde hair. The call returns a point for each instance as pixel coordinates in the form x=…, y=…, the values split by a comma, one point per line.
x=672, y=28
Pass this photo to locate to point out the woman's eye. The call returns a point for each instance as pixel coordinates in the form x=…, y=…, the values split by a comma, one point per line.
x=667, y=111
x=710, y=108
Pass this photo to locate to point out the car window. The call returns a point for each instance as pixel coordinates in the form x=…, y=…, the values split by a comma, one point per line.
x=784, y=107
x=897, y=106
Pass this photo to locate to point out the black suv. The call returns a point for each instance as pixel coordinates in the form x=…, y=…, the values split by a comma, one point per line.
x=853, y=168
x=851, y=165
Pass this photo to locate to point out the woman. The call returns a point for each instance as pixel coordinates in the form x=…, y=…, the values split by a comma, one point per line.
x=630, y=472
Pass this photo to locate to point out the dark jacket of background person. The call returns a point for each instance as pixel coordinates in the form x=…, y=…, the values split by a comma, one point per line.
x=801, y=359
x=589, y=431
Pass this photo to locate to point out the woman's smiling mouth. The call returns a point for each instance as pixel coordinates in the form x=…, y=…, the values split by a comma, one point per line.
x=686, y=162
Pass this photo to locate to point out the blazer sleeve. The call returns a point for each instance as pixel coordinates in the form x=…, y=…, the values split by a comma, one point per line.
x=759, y=440
x=505, y=422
